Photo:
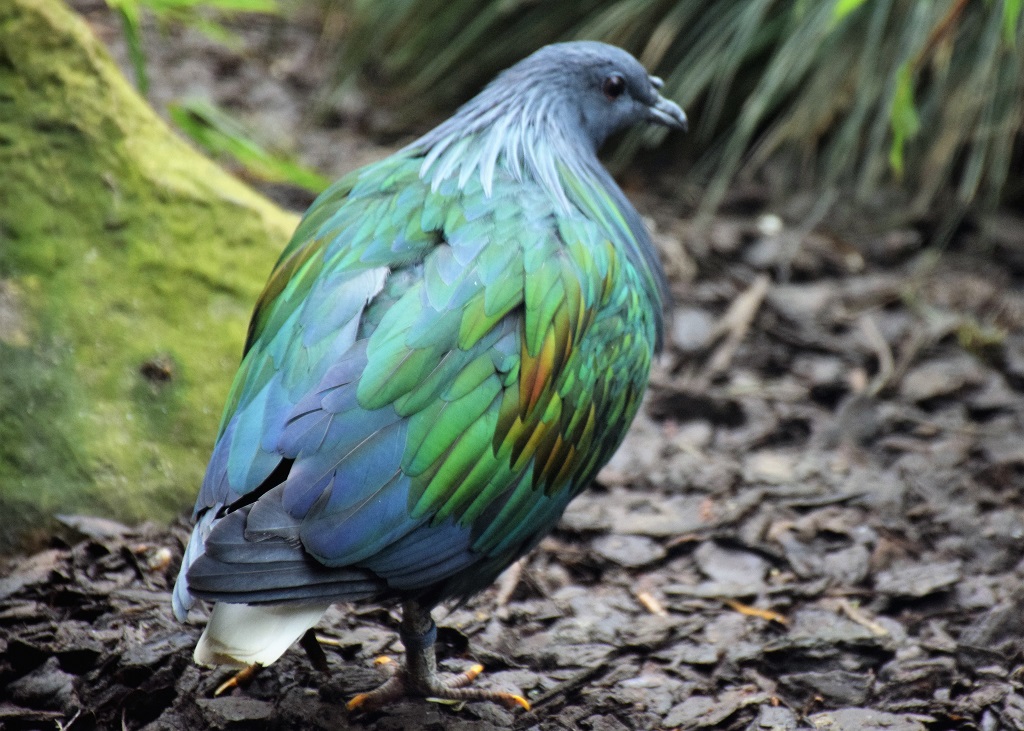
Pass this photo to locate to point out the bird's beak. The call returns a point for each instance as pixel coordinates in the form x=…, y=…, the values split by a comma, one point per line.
x=668, y=114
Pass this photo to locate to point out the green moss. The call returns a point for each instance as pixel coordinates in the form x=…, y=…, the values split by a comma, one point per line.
x=134, y=261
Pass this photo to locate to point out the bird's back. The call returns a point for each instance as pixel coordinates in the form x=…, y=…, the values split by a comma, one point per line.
x=432, y=373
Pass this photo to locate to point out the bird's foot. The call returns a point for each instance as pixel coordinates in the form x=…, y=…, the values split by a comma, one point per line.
x=419, y=676
x=402, y=684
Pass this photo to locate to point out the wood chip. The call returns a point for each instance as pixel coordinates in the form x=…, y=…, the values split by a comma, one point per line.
x=858, y=615
x=651, y=603
x=749, y=611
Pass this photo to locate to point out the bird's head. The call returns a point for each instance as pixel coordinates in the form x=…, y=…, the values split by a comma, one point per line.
x=595, y=88
x=554, y=109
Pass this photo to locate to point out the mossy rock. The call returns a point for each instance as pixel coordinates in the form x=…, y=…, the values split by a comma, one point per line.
x=129, y=264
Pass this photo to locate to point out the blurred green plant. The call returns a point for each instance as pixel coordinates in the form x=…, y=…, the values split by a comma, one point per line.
x=923, y=94
x=219, y=133
x=200, y=14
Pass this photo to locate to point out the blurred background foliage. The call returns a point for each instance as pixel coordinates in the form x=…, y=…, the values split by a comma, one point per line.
x=205, y=15
x=857, y=99
x=221, y=134
x=209, y=126
x=858, y=95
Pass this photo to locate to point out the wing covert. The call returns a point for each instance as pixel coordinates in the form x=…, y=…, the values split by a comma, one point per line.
x=440, y=395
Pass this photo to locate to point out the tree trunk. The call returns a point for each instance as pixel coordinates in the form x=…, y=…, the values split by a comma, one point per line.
x=129, y=264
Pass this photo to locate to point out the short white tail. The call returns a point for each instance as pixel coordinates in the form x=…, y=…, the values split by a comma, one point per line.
x=243, y=634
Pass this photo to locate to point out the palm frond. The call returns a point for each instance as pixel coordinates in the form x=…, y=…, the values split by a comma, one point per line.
x=923, y=94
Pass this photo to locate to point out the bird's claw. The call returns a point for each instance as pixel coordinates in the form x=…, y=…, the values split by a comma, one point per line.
x=470, y=675
x=512, y=701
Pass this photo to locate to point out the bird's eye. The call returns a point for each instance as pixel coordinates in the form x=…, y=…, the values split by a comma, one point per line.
x=613, y=86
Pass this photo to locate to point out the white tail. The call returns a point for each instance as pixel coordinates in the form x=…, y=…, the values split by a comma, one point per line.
x=243, y=634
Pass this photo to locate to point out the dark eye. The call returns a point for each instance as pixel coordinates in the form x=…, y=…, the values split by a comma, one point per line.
x=613, y=86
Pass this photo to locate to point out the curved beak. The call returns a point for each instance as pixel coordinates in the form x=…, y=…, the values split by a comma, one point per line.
x=668, y=114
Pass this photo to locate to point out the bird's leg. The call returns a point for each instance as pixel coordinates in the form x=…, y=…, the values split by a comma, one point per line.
x=419, y=677
x=314, y=651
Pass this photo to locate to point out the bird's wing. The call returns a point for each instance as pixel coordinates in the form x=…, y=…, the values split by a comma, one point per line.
x=424, y=365
x=310, y=312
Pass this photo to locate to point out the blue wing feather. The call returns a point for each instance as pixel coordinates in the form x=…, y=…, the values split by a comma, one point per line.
x=388, y=345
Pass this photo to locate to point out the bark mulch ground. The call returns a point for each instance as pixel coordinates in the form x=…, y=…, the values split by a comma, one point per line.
x=816, y=522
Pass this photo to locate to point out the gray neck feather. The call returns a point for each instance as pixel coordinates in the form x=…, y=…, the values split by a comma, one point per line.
x=522, y=132
x=529, y=134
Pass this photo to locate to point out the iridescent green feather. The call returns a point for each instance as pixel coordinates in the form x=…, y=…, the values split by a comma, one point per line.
x=512, y=336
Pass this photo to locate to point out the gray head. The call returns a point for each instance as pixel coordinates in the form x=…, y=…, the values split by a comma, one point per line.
x=600, y=88
x=554, y=108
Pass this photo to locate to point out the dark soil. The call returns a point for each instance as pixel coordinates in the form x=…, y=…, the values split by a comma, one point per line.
x=816, y=522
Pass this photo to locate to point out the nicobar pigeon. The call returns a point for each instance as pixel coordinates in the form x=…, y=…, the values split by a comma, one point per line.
x=453, y=343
